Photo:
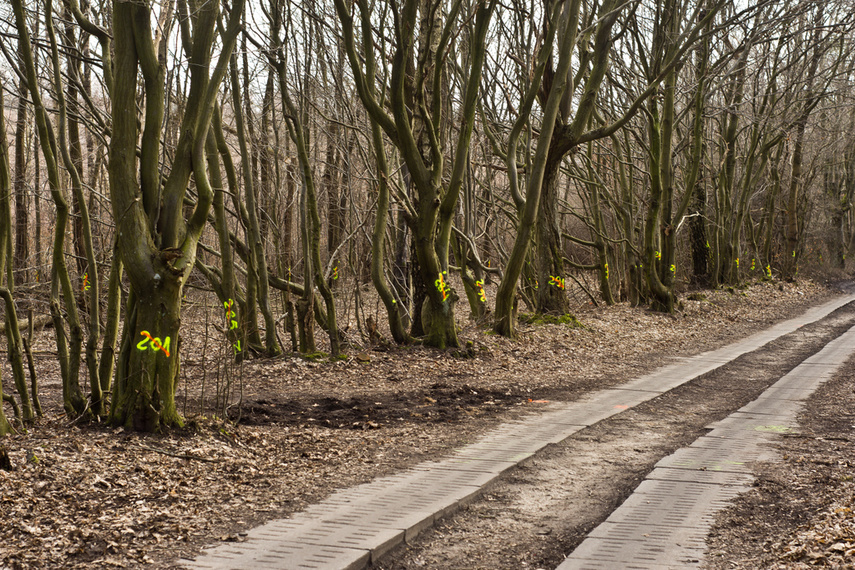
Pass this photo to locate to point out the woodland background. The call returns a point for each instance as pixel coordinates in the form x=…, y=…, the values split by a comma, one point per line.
x=330, y=175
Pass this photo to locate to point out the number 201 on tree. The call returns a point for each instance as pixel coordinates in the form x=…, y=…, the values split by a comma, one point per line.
x=154, y=342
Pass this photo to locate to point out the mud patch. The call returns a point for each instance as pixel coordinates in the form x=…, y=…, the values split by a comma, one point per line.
x=438, y=404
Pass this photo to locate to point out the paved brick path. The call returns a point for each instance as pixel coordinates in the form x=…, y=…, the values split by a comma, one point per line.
x=355, y=526
x=664, y=523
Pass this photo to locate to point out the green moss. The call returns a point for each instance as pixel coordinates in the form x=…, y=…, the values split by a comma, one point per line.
x=314, y=356
x=464, y=354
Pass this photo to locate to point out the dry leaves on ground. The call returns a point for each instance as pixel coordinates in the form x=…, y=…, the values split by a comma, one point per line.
x=93, y=496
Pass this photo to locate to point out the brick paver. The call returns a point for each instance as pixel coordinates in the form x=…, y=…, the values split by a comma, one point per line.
x=665, y=522
x=355, y=526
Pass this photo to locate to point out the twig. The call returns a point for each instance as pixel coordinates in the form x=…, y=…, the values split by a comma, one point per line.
x=180, y=455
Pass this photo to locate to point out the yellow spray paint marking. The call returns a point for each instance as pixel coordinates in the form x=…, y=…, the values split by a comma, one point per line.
x=154, y=342
x=442, y=286
x=481, y=295
x=557, y=281
x=606, y=267
x=230, y=317
x=86, y=285
x=657, y=255
x=230, y=314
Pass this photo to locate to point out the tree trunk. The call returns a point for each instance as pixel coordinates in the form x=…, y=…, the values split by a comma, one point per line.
x=71, y=151
x=219, y=151
x=437, y=311
x=22, y=207
x=311, y=221
x=331, y=187
x=792, y=234
x=698, y=233
x=550, y=253
x=144, y=397
x=505, y=314
x=378, y=245
x=158, y=245
x=662, y=296
x=69, y=356
x=5, y=270
x=257, y=250
x=111, y=330
x=414, y=120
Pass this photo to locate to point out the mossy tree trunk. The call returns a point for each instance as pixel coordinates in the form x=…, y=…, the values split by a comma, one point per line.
x=68, y=350
x=413, y=120
x=565, y=27
x=157, y=244
x=12, y=332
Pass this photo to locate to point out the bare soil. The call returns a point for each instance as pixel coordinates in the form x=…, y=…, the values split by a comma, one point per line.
x=90, y=496
x=801, y=511
x=546, y=507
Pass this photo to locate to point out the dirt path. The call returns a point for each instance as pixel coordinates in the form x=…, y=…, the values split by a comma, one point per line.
x=801, y=511
x=90, y=496
x=544, y=509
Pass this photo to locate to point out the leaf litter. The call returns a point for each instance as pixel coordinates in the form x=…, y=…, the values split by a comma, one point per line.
x=91, y=496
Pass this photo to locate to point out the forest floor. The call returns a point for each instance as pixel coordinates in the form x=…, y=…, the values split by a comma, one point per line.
x=92, y=496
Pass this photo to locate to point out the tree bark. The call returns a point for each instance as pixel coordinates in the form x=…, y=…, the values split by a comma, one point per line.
x=22, y=206
x=5, y=270
x=158, y=245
